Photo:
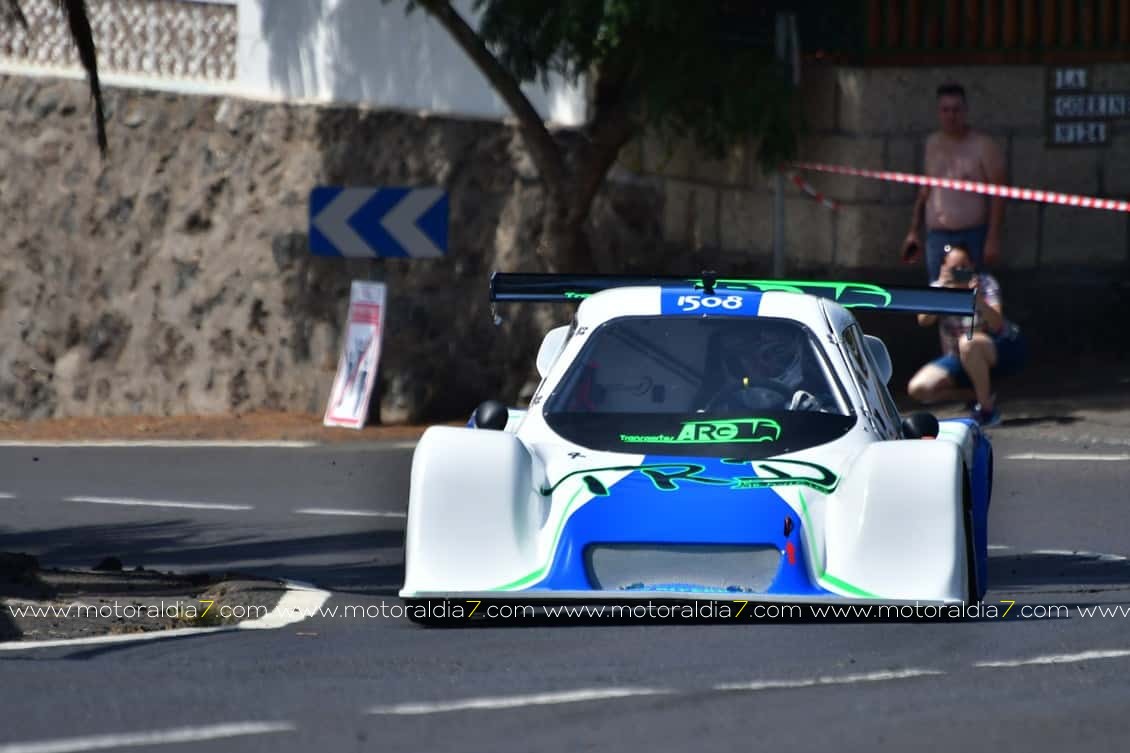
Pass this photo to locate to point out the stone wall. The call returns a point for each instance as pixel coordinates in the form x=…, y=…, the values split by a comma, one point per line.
x=174, y=276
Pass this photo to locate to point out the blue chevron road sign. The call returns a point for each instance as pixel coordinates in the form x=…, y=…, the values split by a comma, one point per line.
x=369, y=222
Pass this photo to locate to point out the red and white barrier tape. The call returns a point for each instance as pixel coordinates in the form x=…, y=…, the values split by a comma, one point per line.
x=807, y=188
x=989, y=189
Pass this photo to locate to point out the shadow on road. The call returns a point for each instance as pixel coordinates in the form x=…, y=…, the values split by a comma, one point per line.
x=1057, y=570
x=370, y=561
x=18, y=580
x=8, y=629
x=1038, y=420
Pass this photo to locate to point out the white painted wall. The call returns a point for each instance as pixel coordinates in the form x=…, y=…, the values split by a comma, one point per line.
x=365, y=52
x=371, y=52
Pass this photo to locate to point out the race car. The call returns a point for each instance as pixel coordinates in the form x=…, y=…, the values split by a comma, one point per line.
x=704, y=438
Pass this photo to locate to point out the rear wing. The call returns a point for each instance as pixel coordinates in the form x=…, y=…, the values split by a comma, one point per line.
x=515, y=287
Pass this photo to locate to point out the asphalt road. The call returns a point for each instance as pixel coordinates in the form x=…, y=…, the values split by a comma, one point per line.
x=336, y=683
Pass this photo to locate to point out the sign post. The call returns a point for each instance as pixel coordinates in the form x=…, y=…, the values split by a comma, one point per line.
x=360, y=354
x=370, y=223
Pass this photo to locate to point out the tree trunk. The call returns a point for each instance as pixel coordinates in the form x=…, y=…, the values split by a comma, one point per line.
x=571, y=183
x=564, y=245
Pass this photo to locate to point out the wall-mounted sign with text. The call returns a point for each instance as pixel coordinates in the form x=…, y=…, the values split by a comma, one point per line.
x=1077, y=116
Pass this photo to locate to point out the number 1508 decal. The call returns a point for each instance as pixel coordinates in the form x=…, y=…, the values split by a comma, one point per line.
x=695, y=302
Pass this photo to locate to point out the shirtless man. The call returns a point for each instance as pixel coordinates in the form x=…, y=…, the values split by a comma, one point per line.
x=957, y=218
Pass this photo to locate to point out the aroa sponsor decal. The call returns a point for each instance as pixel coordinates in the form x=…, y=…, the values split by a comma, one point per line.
x=669, y=477
x=731, y=430
x=714, y=432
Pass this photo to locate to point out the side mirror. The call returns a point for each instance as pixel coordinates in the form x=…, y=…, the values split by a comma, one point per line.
x=551, y=346
x=491, y=414
x=880, y=356
x=920, y=425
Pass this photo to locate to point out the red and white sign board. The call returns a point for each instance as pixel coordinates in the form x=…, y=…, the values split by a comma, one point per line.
x=360, y=354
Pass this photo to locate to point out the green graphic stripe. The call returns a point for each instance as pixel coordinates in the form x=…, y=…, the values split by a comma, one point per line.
x=839, y=289
x=822, y=577
x=798, y=286
x=547, y=490
x=845, y=586
x=664, y=480
x=808, y=536
x=538, y=574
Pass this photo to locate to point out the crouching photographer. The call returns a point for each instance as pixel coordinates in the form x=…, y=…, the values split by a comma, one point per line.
x=968, y=366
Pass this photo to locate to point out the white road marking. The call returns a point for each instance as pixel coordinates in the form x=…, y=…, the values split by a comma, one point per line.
x=179, y=443
x=999, y=546
x=1056, y=659
x=517, y=701
x=1081, y=554
x=156, y=737
x=355, y=445
x=1066, y=456
x=807, y=682
x=596, y=694
x=355, y=513
x=133, y=502
x=300, y=602
x=6, y=495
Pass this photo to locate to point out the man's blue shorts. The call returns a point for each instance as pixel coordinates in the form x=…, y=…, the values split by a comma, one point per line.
x=972, y=238
x=1012, y=354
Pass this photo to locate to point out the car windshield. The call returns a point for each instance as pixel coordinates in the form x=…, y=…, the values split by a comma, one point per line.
x=742, y=386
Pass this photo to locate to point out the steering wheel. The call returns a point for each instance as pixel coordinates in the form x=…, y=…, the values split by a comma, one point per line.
x=785, y=393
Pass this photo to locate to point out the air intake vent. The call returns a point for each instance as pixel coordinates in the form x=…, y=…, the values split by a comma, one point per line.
x=615, y=567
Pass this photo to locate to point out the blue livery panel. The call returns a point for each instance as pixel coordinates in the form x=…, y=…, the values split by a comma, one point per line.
x=668, y=509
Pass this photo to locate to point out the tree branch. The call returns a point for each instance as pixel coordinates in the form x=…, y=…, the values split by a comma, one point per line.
x=79, y=21
x=615, y=120
x=597, y=157
x=543, y=149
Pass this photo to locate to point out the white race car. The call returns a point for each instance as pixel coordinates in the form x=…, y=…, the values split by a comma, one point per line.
x=702, y=438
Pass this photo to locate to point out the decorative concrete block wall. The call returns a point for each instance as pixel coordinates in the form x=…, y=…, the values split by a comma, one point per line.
x=879, y=118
